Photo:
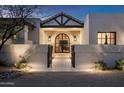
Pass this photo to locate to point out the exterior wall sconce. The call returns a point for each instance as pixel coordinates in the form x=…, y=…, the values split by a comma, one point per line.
x=49, y=38
x=75, y=38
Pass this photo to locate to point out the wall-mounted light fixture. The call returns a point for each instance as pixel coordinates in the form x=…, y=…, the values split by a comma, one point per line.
x=75, y=38
x=49, y=38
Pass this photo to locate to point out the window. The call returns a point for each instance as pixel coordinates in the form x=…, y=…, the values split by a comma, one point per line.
x=106, y=38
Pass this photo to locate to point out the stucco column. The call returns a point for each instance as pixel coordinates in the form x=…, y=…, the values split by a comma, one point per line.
x=26, y=34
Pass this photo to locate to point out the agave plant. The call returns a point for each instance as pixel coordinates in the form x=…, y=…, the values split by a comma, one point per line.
x=120, y=64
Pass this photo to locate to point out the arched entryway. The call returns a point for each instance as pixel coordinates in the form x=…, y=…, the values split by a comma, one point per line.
x=62, y=43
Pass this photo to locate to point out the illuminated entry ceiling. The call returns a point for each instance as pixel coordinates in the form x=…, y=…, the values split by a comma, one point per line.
x=61, y=20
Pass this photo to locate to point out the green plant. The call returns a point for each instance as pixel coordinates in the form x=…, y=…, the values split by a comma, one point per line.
x=100, y=65
x=120, y=64
x=22, y=63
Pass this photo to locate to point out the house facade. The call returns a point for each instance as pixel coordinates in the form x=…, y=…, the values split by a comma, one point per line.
x=99, y=37
x=62, y=28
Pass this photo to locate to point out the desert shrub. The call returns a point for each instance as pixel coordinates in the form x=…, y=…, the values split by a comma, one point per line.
x=100, y=65
x=120, y=64
x=22, y=63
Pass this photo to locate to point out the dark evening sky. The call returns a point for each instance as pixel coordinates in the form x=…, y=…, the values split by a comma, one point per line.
x=78, y=11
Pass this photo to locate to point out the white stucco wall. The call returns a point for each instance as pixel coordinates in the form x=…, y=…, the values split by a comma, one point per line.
x=53, y=32
x=86, y=31
x=105, y=23
x=37, y=55
x=34, y=34
x=86, y=55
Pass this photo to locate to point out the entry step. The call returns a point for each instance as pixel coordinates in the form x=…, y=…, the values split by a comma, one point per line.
x=62, y=55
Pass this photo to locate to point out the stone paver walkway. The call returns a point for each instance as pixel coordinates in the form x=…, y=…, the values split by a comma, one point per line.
x=61, y=63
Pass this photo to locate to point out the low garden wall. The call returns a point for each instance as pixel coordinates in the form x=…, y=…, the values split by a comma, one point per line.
x=86, y=55
x=83, y=58
x=35, y=54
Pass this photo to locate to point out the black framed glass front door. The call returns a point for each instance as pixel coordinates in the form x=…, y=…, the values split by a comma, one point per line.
x=62, y=43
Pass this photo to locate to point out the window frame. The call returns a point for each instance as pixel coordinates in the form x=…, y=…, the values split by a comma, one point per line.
x=106, y=38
